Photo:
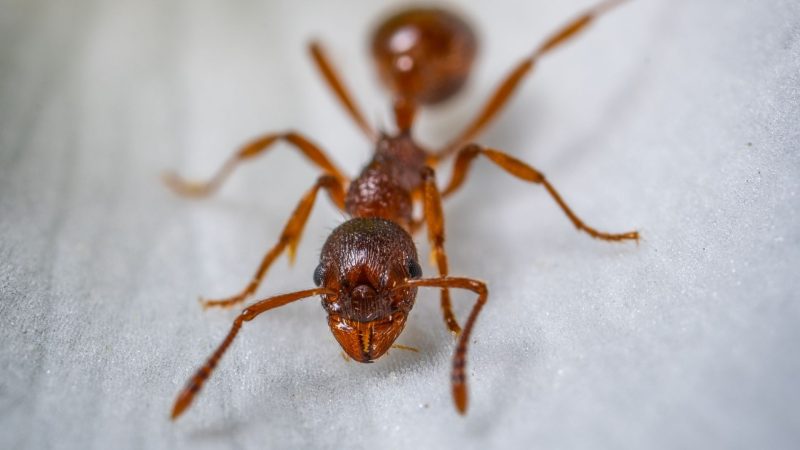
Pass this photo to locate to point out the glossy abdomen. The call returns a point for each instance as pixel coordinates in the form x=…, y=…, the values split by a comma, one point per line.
x=424, y=54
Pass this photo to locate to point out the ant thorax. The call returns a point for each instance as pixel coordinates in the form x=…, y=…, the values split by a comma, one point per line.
x=385, y=186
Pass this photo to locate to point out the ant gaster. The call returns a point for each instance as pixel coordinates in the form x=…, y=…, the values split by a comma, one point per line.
x=369, y=272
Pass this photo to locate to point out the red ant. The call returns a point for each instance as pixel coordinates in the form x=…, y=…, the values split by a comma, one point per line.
x=369, y=273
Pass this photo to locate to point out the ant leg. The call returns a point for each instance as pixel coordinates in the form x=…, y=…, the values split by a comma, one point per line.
x=507, y=87
x=434, y=218
x=458, y=376
x=335, y=84
x=524, y=172
x=254, y=148
x=199, y=378
x=290, y=237
x=416, y=224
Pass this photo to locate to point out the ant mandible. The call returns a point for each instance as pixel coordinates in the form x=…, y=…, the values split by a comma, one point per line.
x=368, y=273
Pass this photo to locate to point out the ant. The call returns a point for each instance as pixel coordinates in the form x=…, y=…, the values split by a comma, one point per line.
x=369, y=272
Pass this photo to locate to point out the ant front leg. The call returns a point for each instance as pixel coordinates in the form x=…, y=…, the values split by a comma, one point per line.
x=290, y=237
x=527, y=173
x=252, y=149
x=434, y=217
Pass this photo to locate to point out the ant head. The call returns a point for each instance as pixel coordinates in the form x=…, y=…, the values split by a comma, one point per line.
x=366, y=261
x=424, y=54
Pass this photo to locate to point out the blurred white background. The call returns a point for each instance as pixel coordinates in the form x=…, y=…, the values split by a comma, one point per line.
x=677, y=118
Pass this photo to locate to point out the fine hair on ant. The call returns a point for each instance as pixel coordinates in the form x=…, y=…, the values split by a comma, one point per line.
x=369, y=272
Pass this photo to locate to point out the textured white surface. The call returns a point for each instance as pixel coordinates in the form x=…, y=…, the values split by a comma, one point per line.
x=679, y=118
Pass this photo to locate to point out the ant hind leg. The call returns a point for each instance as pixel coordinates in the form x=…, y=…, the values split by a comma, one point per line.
x=335, y=83
x=509, y=84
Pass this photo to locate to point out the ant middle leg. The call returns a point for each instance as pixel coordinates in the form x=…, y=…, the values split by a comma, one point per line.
x=290, y=238
x=524, y=172
x=506, y=89
x=250, y=150
x=434, y=219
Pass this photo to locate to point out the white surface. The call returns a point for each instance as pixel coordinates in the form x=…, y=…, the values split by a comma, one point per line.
x=678, y=118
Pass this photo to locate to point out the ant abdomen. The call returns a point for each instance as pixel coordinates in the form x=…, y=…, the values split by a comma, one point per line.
x=424, y=54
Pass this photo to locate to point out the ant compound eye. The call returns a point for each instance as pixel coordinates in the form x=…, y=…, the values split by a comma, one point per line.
x=414, y=270
x=318, y=274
